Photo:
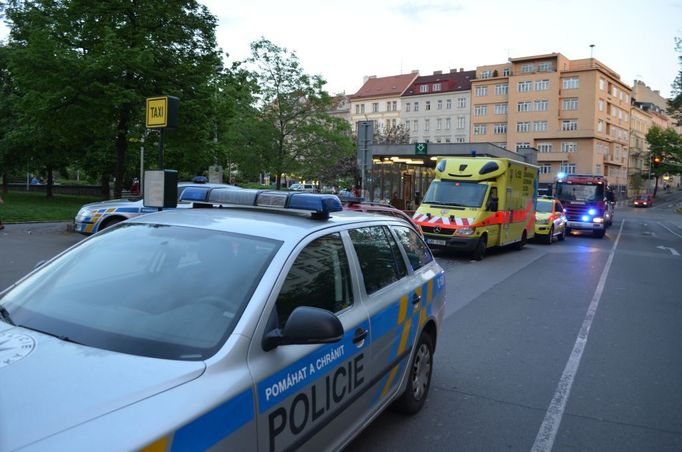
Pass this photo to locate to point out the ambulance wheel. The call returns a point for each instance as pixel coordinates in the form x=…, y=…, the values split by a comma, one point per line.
x=550, y=236
x=521, y=243
x=419, y=378
x=479, y=251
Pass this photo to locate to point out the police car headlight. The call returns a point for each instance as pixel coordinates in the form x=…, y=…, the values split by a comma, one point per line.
x=465, y=231
x=83, y=214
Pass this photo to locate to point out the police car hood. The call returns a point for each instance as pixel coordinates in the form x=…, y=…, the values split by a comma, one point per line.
x=113, y=203
x=48, y=385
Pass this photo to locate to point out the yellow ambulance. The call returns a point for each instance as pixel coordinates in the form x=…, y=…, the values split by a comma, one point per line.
x=475, y=203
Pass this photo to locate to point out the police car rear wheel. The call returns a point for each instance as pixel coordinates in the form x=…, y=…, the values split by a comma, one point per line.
x=550, y=236
x=562, y=236
x=419, y=380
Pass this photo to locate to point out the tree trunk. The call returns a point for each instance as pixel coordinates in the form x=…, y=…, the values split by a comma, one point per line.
x=121, y=148
x=49, y=189
x=104, y=186
x=5, y=182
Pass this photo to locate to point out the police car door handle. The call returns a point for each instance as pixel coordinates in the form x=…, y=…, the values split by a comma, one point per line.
x=416, y=299
x=360, y=335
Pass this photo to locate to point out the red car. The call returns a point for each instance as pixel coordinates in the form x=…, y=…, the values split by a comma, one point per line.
x=358, y=204
x=643, y=201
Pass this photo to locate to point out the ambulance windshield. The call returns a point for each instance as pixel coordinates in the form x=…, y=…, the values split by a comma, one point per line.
x=455, y=193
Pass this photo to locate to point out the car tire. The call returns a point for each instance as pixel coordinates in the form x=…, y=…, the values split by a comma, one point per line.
x=550, y=236
x=521, y=243
x=481, y=246
x=562, y=236
x=418, y=378
x=600, y=233
x=110, y=222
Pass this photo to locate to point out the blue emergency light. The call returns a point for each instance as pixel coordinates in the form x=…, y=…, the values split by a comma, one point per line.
x=320, y=205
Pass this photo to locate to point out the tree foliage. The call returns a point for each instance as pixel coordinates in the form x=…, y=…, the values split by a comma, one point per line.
x=666, y=143
x=675, y=104
x=294, y=105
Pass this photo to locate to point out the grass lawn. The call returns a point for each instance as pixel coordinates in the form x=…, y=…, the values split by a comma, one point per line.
x=21, y=207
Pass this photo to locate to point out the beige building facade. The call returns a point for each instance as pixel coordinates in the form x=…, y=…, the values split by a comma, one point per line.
x=576, y=113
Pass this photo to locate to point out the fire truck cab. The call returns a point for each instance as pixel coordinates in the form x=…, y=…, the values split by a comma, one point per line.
x=588, y=201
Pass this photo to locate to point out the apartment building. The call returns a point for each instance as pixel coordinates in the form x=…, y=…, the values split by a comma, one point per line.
x=379, y=100
x=436, y=108
x=576, y=113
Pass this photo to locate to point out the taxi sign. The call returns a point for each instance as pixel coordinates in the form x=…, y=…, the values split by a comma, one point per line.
x=162, y=112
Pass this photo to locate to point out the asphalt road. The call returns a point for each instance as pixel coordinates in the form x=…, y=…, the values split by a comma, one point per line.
x=511, y=359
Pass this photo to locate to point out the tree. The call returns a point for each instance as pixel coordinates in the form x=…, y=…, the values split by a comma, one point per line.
x=667, y=145
x=675, y=104
x=85, y=69
x=294, y=105
x=398, y=134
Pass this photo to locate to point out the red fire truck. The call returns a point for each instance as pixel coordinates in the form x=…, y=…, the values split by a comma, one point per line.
x=588, y=201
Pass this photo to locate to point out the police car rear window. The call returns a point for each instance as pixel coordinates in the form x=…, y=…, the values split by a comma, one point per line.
x=160, y=291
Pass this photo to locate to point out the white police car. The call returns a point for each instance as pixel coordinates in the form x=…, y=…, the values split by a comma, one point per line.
x=96, y=216
x=240, y=328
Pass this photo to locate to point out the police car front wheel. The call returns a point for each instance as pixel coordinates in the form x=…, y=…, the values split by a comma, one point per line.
x=412, y=400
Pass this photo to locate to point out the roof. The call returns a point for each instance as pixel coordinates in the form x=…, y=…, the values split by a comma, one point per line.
x=451, y=81
x=393, y=85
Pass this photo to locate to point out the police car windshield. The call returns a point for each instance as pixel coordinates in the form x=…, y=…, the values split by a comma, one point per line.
x=160, y=291
x=455, y=193
x=544, y=207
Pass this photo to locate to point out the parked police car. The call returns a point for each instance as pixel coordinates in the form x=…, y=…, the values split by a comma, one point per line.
x=94, y=217
x=232, y=327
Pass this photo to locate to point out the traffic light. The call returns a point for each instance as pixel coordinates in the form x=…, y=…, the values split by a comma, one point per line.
x=656, y=160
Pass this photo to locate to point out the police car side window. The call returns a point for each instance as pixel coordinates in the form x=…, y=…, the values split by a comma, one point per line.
x=380, y=259
x=320, y=277
x=417, y=252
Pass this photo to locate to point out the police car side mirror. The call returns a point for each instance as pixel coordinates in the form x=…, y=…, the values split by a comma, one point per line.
x=306, y=325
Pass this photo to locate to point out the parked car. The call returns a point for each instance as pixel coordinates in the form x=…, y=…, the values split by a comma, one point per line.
x=309, y=188
x=94, y=217
x=550, y=220
x=643, y=201
x=250, y=327
x=360, y=205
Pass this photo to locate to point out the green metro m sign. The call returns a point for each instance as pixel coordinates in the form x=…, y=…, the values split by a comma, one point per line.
x=420, y=148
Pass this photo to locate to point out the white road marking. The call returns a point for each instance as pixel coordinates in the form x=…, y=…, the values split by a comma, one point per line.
x=669, y=230
x=544, y=441
x=673, y=251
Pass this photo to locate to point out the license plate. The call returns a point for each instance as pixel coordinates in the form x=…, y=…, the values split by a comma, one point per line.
x=436, y=242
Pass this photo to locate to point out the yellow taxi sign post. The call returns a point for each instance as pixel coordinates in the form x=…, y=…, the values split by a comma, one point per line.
x=162, y=112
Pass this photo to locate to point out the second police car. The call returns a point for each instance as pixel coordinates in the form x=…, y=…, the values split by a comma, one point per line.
x=550, y=220
x=240, y=328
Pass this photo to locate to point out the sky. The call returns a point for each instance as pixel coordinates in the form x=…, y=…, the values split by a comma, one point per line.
x=343, y=41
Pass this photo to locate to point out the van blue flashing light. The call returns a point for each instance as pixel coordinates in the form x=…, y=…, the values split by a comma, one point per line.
x=592, y=211
x=561, y=175
x=585, y=218
x=194, y=194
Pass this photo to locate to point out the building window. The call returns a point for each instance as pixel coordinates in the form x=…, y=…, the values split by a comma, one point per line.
x=569, y=146
x=481, y=110
x=448, y=123
x=439, y=105
x=407, y=125
x=423, y=88
x=427, y=105
x=545, y=147
x=416, y=107
x=427, y=125
x=602, y=84
x=570, y=83
x=541, y=105
x=500, y=109
x=500, y=128
x=546, y=168
x=523, y=106
x=569, y=104
x=527, y=68
x=436, y=87
x=357, y=109
x=569, y=124
x=567, y=168
x=540, y=126
x=448, y=104
x=375, y=107
x=362, y=108
x=523, y=126
x=439, y=124
x=447, y=140
x=541, y=85
x=601, y=105
x=482, y=90
x=479, y=129
x=461, y=102
x=407, y=107
x=502, y=89
x=545, y=67
x=395, y=105
x=486, y=74
x=461, y=122
x=600, y=126
x=415, y=125
x=506, y=72
x=522, y=145
x=459, y=139
x=525, y=86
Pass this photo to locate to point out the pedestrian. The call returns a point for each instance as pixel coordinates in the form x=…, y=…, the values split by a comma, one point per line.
x=356, y=191
x=2, y=226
